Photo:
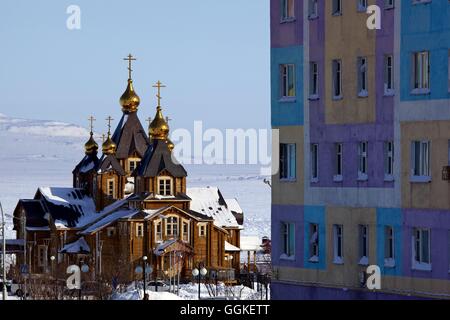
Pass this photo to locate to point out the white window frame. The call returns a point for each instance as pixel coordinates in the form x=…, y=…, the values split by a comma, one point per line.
x=288, y=244
x=313, y=9
x=314, y=162
x=111, y=188
x=421, y=262
x=314, y=250
x=421, y=72
x=422, y=173
x=313, y=80
x=288, y=90
x=338, y=162
x=388, y=151
x=172, y=227
x=363, y=244
x=363, y=79
x=288, y=170
x=162, y=191
x=287, y=10
x=185, y=236
x=158, y=234
x=202, y=230
x=133, y=163
x=361, y=6
x=389, y=86
x=337, y=79
x=336, y=8
x=389, y=247
x=338, y=244
x=363, y=161
x=139, y=230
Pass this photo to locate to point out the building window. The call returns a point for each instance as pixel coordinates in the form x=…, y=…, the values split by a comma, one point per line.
x=337, y=79
x=111, y=188
x=420, y=161
x=313, y=10
x=287, y=72
x=389, y=247
x=388, y=75
x=133, y=164
x=165, y=186
x=314, y=162
x=389, y=4
x=421, y=72
x=338, y=242
x=185, y=236
x=363, y=245
x=338, y=165
x=202, y=230
x=313, y=81
x=288, y=161
x=158, y=231
x=42, y=256
x=139, y=230
x=421, y=249
x=362, y=5
x=111, y=232
x=287, y=12
x=337, y=7
x=363, y=90
x=363, y=161
x=172, y=227
x=314, y=242
x=288, y=240
x=388, y=161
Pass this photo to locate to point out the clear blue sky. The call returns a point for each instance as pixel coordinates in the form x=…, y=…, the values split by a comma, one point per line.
x=213, y=55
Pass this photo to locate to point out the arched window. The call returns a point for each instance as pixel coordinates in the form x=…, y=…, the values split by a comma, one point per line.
x=172, y=227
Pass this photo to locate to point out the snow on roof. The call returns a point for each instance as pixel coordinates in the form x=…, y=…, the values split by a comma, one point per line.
x=107, y=220
x=160, y=249
x=250, y=243
x=229, y=247
x=79, y=246
x=233, y=205
x=209, y=201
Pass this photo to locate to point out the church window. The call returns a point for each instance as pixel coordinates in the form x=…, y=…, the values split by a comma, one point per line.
x=185, y=236
x=172, y=227
x=139, y=230
x=133, y=164
x=111, y=188
x=158, y=231
x=202, y=230
x=164, y=186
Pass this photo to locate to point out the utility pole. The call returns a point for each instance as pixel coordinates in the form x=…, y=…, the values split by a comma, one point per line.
x=5, y=293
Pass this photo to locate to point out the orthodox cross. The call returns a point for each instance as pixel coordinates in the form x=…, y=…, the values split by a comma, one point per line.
x=159, y=85
x=103, y=138
x=109, y=119
x=91, y=123
x=149, y=120
x=130, y=58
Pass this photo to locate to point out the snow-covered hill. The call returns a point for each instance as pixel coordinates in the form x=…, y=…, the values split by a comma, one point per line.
x=43, y=153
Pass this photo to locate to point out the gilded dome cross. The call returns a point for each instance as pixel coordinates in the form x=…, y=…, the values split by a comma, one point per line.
x=130, y=58
x=159, y=85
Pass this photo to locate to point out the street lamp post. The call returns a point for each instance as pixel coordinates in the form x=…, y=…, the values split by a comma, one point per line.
x=201, y=271
x=52, y=259
x=144, y=259
x=3, y=253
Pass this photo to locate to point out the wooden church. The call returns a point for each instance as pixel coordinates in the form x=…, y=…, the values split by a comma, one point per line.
x=129, y=205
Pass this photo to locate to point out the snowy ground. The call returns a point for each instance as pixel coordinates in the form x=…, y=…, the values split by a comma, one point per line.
x=43, y=153
x=190, y=292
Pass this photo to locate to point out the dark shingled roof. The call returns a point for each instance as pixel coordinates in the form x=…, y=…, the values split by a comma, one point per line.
x=130, y=137
x=107, y=161
x=87, y=164
x=158, y=158
x=35, y=213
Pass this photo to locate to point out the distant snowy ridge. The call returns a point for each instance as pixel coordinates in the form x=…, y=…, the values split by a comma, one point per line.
x=41, y=127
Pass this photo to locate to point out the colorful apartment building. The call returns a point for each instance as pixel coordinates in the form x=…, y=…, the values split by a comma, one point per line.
x=364, y=123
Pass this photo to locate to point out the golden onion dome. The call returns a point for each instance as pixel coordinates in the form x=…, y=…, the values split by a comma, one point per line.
x=159, y=128
x=91, y=146
x=170, y=144
x=130, y=100
x=109, y=147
